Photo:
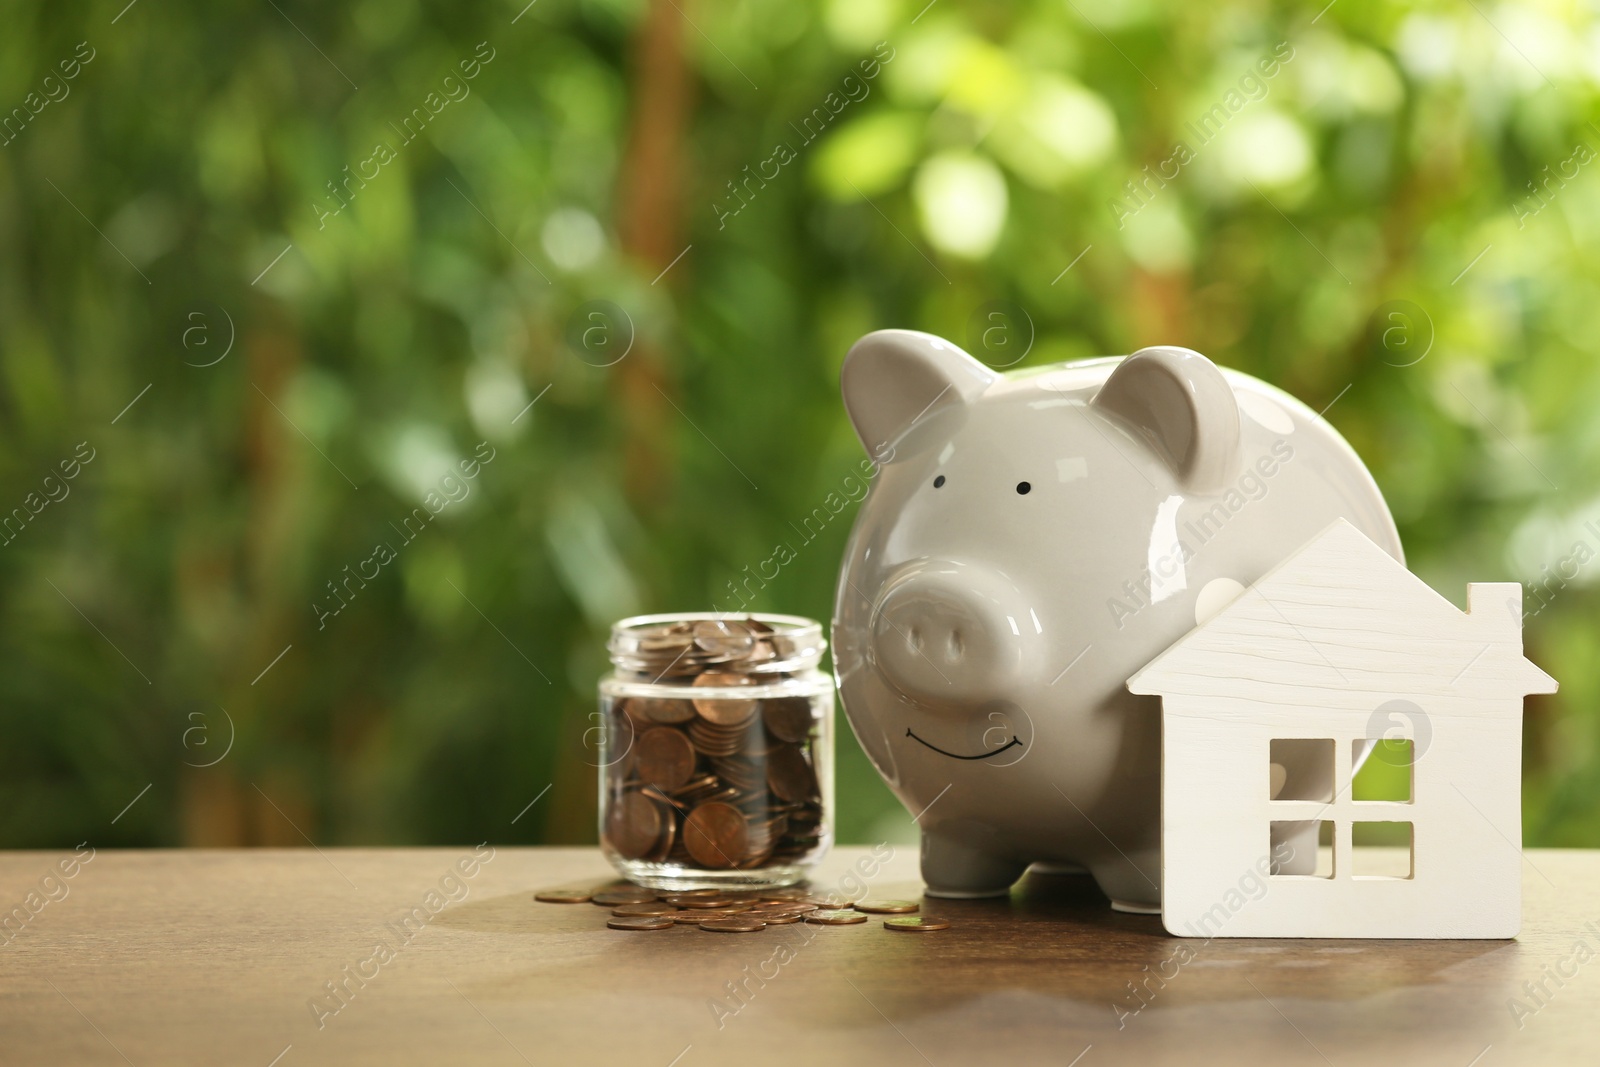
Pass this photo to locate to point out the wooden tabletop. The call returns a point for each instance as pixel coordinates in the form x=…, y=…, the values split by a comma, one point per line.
x=209, y=957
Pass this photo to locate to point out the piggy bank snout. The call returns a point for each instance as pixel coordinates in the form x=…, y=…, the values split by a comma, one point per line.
x=947, y=633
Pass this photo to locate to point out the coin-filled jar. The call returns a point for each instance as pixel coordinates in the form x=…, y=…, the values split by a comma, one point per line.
x=717, y=756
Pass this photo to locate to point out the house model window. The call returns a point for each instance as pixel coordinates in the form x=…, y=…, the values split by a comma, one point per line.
x=1341, y=755
x=1370, y=793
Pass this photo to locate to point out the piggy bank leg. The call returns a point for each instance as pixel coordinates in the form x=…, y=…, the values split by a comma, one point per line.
x=955, y=870
x=1132, y=882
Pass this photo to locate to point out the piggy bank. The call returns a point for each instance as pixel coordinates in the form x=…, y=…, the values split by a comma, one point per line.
x=1029, y=542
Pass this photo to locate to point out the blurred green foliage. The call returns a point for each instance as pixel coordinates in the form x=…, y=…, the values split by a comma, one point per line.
x=1395, y=223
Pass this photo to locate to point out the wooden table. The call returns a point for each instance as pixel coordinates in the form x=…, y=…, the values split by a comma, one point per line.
x=209, y=957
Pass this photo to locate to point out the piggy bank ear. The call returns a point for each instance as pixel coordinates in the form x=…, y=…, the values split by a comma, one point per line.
x=1185, y=410
x=893, y=378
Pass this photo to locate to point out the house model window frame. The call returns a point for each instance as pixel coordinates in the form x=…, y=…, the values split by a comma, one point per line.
x=1295, y=819
x=1341, y=642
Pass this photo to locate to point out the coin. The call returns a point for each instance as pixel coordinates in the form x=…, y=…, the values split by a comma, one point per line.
x=640, y=922
x=724, y=711
x=780, y=919
x=790, y=776
x=661, y=710
x=783, y=909
x=693, y=917
x=669, y=835
x=564, y=896
x=714, y=739
x=836, y=917
x=732, y=639
x=787, y=718
x=654, y=907
x=737, y=925
x=745, y=775
x=786, y=894
x=885, y=907
x=633, y=826
x=716, y=835
x=624, y=894
x=683, y=900
x=916, y=923
x=664, y=757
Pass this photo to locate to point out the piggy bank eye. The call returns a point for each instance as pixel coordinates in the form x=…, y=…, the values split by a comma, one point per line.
x=1023, y=488
x=937, y=482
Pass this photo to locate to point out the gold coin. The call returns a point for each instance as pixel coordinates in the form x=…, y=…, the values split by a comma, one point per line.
x=564, y=896
x=916, y=923
x=640, y=922
x=736, y=925
x=836, y=917
x=885, y=907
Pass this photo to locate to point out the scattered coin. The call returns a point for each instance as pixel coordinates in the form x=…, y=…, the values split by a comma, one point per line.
x=734, y=925
x=916, y=923
x=715, y=903
x=885, y=907
x=564, y=896
x=787, y=893
x=654, y=907
x=782, y=909
x=631, y=894
x=836, y=917
x=640, y=922
x=738, y=910
x=695, y=918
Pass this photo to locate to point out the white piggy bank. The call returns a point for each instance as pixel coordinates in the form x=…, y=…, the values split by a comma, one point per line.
x=1032, y=540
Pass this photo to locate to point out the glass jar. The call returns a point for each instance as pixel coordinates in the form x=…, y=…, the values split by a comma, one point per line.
x=716, y=761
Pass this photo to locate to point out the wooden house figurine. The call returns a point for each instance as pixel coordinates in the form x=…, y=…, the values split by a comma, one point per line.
x=1271, y=705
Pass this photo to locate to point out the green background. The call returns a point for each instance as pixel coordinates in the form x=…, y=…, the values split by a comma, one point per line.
x=1394, y=224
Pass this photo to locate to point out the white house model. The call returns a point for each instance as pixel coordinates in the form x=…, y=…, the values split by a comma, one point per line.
x=1270, y=707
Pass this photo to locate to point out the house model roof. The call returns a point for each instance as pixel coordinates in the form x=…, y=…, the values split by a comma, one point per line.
x=1343, y=615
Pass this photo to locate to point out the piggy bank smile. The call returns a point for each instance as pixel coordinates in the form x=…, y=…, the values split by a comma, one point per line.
x=1013, y=743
